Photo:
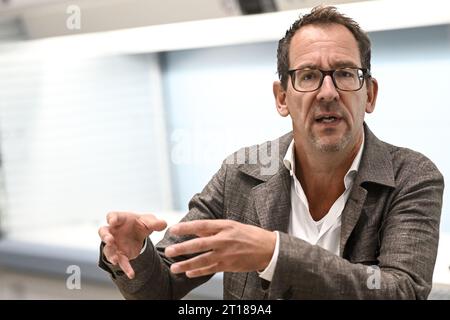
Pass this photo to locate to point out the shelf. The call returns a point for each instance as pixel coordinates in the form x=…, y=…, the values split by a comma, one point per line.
x=375, y=15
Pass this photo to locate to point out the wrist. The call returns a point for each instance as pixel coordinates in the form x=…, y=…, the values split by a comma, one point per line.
x=272, y=241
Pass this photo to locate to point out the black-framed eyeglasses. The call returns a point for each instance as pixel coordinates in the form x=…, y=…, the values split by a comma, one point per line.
x=345, y=79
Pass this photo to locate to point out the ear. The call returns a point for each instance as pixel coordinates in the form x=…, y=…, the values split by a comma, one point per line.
x=280, y=99
x=372, y=92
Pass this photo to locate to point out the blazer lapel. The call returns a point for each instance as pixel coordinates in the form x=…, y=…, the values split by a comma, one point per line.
x=351, y=213
x=375, y=167
x=272, y=197
x=273, y=201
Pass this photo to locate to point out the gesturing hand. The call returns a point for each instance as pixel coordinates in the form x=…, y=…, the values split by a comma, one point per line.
x=124, y=236
x=227, y=245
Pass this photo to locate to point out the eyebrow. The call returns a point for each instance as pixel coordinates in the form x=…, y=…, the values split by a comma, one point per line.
x=339, y=64
x=345, y=64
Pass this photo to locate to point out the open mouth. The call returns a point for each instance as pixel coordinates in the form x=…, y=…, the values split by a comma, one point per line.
x=327, y=119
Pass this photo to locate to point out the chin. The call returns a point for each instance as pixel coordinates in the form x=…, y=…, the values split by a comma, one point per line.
x=331, y=145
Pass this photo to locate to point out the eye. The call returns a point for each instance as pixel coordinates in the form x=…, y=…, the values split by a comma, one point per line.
x=345, y=74
x=307, y=75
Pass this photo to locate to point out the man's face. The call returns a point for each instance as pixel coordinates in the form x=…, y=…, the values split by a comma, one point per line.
x=326, y=47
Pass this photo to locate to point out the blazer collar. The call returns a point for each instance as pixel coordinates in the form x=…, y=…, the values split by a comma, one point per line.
x=375, y=167
x=376, y=162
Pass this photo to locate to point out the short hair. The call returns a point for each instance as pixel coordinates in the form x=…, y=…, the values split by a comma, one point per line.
x=321, y=15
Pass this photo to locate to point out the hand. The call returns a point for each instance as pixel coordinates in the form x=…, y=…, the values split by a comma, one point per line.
x=125, y=235
x=227, y=245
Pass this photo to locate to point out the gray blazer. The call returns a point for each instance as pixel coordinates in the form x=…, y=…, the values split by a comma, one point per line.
x=391, y=220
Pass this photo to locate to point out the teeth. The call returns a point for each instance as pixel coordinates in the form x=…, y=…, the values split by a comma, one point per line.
x=327, y=119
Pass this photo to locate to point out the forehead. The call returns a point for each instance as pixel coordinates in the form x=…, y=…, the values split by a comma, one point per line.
x=323, y=46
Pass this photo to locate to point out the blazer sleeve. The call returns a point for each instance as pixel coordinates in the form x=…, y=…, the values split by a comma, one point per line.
x=153, y=278
x=408, y=247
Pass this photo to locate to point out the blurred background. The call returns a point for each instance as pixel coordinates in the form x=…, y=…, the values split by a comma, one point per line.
x=133, y=104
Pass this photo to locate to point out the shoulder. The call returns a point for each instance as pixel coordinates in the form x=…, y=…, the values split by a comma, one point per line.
x=256, y=154
x=412, y=165
x=260, y=161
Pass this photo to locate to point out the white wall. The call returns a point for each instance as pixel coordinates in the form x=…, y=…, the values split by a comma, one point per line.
x=81, y=137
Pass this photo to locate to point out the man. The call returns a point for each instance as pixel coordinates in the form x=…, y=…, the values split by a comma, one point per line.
x=345, y=216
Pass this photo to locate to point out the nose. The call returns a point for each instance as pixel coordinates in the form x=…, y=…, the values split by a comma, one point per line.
x=327, y=92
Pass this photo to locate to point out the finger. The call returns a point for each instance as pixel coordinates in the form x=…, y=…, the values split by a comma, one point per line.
x=191, y=246
x=198, y=262
x=203, y=271
x=200, y=228
x=125, y=265
x=151, y=223
x=105, y=235
x=110, y=254
x=116, y=219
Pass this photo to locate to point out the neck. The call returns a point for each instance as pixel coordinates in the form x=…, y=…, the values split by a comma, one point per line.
x=311, y=161
x=321, y=174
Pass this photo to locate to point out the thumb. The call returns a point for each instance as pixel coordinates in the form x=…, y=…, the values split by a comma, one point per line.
x=152, y=223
